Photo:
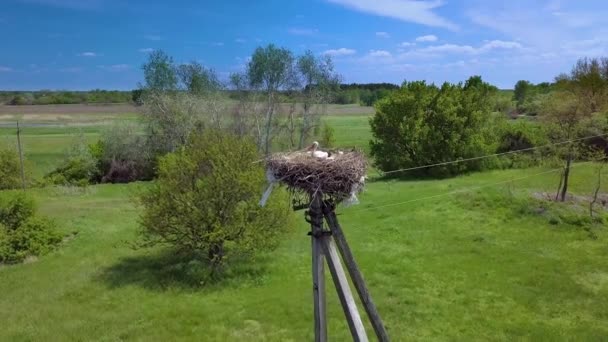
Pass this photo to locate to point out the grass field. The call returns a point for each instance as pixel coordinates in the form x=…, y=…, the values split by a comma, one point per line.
x=479, y=265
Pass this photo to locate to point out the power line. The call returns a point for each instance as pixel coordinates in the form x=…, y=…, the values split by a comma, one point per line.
x=493, y=155
x=468, y=189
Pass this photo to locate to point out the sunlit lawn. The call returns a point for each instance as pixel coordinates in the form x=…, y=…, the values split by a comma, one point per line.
x=482, y=265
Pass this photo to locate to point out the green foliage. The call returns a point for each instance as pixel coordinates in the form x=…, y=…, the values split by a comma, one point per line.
x=423, y=124
x=522, y=92
x=197, y=79
x=205, y=201
x=21, y=232
x=521, y=135
x=159, y=72
x=123, y=155
x=45, y=97
x=10, y=169
x=15, y=210
x=328, y=138
x=79, y=167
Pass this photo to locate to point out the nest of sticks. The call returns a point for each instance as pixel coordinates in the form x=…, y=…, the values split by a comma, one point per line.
x=339, y=177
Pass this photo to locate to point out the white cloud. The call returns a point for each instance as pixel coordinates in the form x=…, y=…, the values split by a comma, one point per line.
x=379, y=53
x=427, y=38
x=383, y=35
x=340, y=52
x=88, y=54
x=407, y=44
x=415, y=11
x=240, y=40
x=145, y=50
x=115, y=67
x=5, y=69
x=468, y=49
x=301, y=31
x=153, y=37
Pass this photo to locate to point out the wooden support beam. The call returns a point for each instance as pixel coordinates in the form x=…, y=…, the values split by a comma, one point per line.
x=318, y=270
x=355, y=273
x=353, y=318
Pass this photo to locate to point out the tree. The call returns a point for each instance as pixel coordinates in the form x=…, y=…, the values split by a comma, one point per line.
x=270, y=70
x=521, y=92
x=197, y=79
x=159, y=72
x=319, y=82
x=589, y=82
x=565, y=112
x=205, y=201
x=422, y=124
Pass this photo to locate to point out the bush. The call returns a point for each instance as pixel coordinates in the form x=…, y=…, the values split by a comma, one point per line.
x=16, y=210
x=79, y=166
x=123, y=155
x=327, y=136
x=521, y=135
x=22, y=233
x=10, y=169
x=205, y=201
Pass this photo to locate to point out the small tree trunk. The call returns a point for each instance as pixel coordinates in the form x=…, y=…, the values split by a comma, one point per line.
x=597, y=190
x=559, y=187
x=566, y=176
x=216, y=253
x=268, y=124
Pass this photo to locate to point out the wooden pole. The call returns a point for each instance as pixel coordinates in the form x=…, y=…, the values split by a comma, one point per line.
x=20, y=156
x=318, y=269
x=349, y=306
x=355, y=273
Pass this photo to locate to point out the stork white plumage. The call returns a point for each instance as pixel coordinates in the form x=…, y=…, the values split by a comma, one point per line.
x=317, y=153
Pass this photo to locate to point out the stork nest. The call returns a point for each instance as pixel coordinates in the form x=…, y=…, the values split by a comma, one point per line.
x=338, y=177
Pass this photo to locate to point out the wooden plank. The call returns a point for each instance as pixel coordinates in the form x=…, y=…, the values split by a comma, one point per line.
x=355, y=274
x=318, y=269
x=349, y=306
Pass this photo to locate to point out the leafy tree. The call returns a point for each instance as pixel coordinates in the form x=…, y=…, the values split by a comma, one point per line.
x=565, y=112
x=319, y=82
x=521, y=92
x=205, y=201
x=159, y=72
x=589, y=82
x=197, y=79
x=422, y=124
x=271, y=70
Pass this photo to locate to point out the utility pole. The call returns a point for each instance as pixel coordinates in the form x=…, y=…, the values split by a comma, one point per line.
x=20, y=156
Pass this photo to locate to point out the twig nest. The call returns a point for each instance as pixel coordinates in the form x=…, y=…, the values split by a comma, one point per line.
x=340, y=176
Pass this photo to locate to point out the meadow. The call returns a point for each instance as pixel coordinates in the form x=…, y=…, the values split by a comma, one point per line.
x=493, y=263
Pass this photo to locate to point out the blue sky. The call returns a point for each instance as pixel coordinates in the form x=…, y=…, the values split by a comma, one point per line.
x=86, y=44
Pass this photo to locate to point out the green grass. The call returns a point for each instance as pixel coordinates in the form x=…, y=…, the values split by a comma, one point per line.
x=456, y=267
x=482, y=265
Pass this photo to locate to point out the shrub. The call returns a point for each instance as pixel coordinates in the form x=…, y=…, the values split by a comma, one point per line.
x=10, y=169
x=205, y=201
x=327, y=136
x=521, y=135
x=15, y=210
x=123, y=155
x=22, y=233
x=78, y=167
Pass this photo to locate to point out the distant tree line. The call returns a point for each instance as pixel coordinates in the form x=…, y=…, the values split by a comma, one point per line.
x=45, y=97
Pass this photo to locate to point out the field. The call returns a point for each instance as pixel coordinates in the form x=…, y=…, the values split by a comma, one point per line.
x=475, y=265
